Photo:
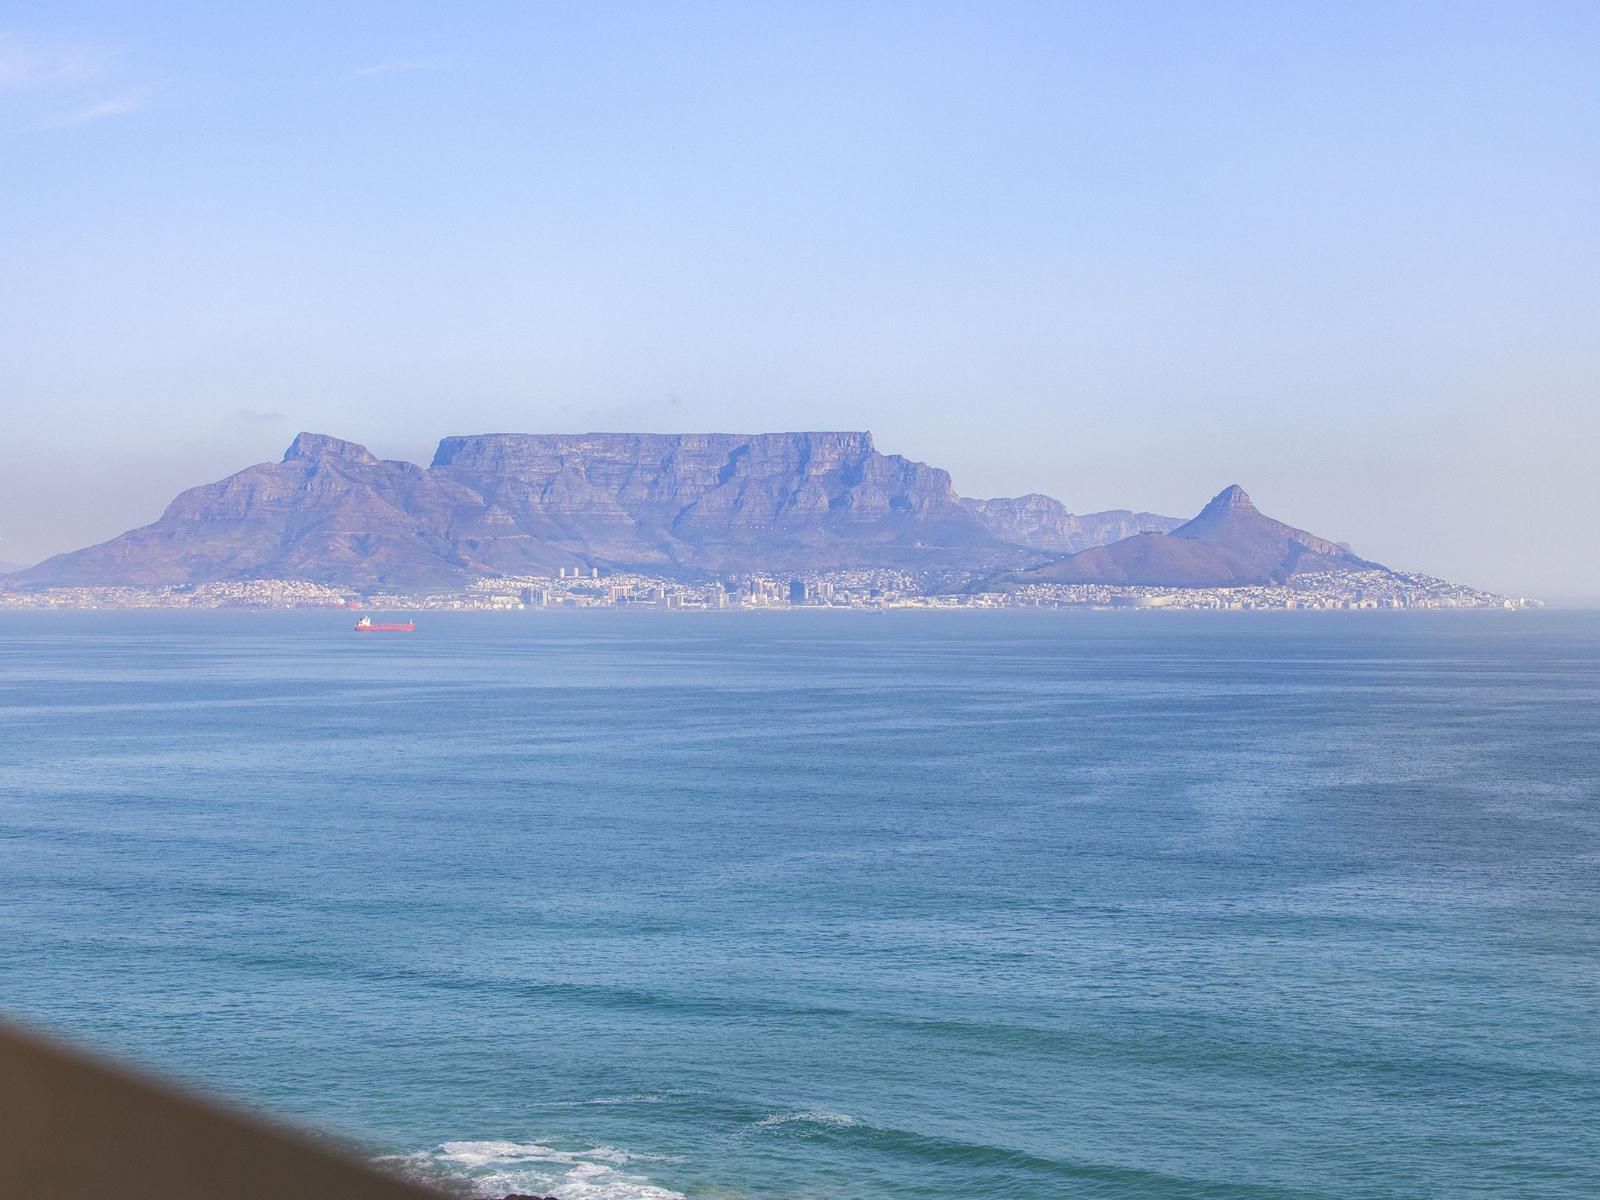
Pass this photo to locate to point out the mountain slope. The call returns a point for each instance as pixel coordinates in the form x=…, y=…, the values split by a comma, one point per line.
x=509, y=504
x=717, y=502
x=330, y=511
x=1042, y=523
x=1229, y=544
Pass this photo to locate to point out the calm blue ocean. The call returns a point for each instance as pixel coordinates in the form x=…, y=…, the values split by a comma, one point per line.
x=803, y=905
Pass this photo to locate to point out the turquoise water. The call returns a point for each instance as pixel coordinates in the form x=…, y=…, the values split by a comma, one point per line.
x=801, y=905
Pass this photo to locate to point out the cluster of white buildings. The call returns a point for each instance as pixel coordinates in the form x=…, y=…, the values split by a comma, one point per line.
x=248, y=593
x=862, y=589
x=587, y=588
x=1320, y=591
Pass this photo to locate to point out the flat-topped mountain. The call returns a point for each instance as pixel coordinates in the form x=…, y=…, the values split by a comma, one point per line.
x=1229, y=544
x=499, y=504
x=716, y=502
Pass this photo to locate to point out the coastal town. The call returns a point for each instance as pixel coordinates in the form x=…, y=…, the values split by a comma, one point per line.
x=865, y=590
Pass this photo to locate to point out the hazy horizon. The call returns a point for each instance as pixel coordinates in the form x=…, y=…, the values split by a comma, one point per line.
x=1119, y=256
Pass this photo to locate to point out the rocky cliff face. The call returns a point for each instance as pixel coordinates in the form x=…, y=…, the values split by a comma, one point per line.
x=329, y=511
x=1045, y=524
x=518, y=503
x=784, y=501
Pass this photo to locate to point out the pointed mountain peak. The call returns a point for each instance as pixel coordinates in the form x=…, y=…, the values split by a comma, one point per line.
x=1232, y=498
x=321, y=446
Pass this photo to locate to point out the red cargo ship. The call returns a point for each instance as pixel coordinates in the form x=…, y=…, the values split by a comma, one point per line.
x=367, y=625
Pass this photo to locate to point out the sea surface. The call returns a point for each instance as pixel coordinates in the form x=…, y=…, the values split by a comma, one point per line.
x=803, y=905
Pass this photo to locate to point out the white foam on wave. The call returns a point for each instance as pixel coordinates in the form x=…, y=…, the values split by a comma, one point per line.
x=640, y=1098
x=495, y=1168
x=814, y=1116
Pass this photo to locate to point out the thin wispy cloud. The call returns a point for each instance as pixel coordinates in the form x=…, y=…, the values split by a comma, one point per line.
x=405, y=66
x=59, y=84
x=26, y=65
x=115, y=106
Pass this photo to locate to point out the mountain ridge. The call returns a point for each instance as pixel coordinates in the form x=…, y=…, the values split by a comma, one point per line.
x=502, y=504
x=1229, y=543
x=1044, y=523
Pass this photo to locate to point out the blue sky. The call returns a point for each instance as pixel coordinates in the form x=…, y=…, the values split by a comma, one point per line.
x=1343, y=254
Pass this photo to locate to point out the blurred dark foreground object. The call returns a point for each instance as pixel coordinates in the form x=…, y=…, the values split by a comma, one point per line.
x=73, y=1128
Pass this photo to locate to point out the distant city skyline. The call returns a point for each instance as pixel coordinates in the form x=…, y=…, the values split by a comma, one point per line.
x=1124, y=256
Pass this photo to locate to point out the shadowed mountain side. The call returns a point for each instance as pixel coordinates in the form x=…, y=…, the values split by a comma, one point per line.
x=508, y=504
x=1229, y=544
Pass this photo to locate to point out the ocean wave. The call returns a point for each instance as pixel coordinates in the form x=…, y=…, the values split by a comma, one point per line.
x=640, y=1098
x=496, y=1168
x=809, y=1117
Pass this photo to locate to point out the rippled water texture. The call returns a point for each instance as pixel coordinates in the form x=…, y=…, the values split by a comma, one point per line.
x=804, y=905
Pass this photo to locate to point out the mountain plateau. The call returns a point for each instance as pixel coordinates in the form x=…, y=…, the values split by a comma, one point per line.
x=517, y=504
